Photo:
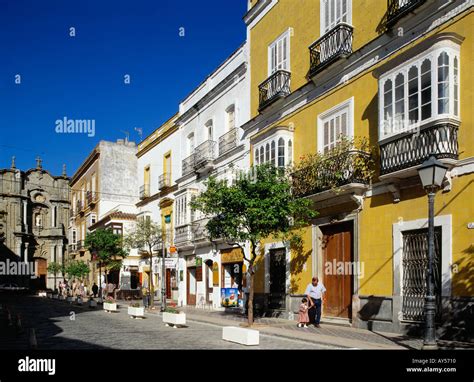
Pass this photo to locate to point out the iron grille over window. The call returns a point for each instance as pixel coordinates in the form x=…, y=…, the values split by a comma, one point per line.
x=415, y=266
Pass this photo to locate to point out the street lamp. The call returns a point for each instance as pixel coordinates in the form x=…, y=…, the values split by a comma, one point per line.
x=432, y=174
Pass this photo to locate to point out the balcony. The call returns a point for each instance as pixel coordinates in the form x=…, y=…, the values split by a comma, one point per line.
x=80, y=246
x=273, y=88
x=228, y=141
x=91, y=198
x=400, y=154
x=188, y=165
x=335, y=44
x=335, y=178
x=183, y=236
x=164, y=181
x=79, y=207
x=204, y=155
x=396, y=9
x=144, y=191
x=72, y=248
x=199, y=230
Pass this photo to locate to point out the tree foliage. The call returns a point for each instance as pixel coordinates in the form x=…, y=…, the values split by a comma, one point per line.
x=77, y=269
x=256, y=206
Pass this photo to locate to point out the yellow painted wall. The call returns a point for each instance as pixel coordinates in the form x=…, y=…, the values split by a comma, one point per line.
x=379, y=212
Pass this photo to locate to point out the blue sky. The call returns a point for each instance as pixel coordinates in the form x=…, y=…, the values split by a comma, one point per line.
x=82, y=77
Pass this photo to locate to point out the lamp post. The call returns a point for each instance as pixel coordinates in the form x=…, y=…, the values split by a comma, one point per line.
x=432, y=174
x=163, y=276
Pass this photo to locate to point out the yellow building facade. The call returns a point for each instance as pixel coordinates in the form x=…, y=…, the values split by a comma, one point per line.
x=396, y=74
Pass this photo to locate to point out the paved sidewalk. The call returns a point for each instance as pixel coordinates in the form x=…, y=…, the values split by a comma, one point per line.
x=327, y=334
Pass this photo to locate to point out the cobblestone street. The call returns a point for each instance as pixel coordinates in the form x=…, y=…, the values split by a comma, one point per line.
x=59, y=325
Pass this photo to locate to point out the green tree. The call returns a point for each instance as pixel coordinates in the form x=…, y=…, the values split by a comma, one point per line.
x=257, y=206
x=55, y=268
x=77, y=269
x=147, y=237
x=106, y=248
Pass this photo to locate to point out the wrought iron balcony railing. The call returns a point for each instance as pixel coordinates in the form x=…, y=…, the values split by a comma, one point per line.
x=336, y=171
x=72, y=248
x=413, y=148
x=333, y=45
x=80, y=245
x=183, y=235
x=91, y=197
x=228, y=141
x=188, y=165
x=396, y=9
x=164, y=181
x=204, y=154
x=274, y=87
x=79, y=207
x=144, y=191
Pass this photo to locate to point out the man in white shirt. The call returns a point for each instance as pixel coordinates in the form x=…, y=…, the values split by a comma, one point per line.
x=315, y=294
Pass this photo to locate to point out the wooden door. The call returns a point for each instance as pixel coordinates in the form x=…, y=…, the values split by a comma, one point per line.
x=191, y=286
x=338, y=269
x=277, y=279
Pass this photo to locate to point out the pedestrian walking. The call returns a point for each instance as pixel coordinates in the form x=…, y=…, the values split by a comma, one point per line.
x=315, y=294
x=95, y=289
x=145, y=297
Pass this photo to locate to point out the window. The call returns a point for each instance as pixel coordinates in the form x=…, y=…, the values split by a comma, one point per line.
x=181, y=210
x=279, y=54
x=334, y=12
x=267, y=153
x=336, y=123
x=262, y=158
x=210, y=131
x=190, y=142
x=74, y=236
x=146, y=176
x=272, y=155
x=257, y=157
x=419, y=91
x=281, y=152
x=230, y=117
x=290, y=152
x=167, y=164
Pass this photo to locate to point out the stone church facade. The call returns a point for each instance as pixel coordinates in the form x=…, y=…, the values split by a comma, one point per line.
x=34, y=215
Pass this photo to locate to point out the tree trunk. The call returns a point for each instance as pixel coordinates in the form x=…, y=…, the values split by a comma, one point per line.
x=250, y=302
x=152, y=289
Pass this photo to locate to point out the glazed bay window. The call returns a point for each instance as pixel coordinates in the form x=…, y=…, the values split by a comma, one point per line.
x=419, y=92
x=419, y=109
x=277, y=151
x=335, y=124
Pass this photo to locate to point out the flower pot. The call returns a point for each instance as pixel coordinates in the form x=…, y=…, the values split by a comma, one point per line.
x=175, y=319
x=110, y=307
x=92, y=304
x=136, y=312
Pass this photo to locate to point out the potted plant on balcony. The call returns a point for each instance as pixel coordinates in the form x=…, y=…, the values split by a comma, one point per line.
x=136, y=311
x=110, y=305
x=173, y=317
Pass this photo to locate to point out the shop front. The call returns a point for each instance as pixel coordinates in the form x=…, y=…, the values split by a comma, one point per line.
x=232, y=277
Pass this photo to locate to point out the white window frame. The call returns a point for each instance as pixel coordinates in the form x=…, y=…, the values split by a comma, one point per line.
x=209, y=124
x=347, y=106
x=453, y=51
x=285, y=35
x=274, y=159
x=323, y=3
x=230, y=109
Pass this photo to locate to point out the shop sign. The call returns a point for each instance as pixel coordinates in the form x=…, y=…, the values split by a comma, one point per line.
x=191, y=261
x=171, y=263
x=230, y=297
x=215, y=274
x=232, y=256
x=198, y=261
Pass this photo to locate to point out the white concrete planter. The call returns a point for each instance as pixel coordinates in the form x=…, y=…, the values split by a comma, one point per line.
x=55, y=297
x=61, y=297
x=70, y=299
x=110, y=307
x=79, y=301
x=50, y=295
x=249, y=337
x=92, y=304
x=175, y=319
x=136, y=312
x=42, y=294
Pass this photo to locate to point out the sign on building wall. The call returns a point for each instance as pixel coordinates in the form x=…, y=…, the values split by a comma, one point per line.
x=215, y=274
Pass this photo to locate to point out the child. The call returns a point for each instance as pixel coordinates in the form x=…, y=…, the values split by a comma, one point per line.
x=303, y=317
